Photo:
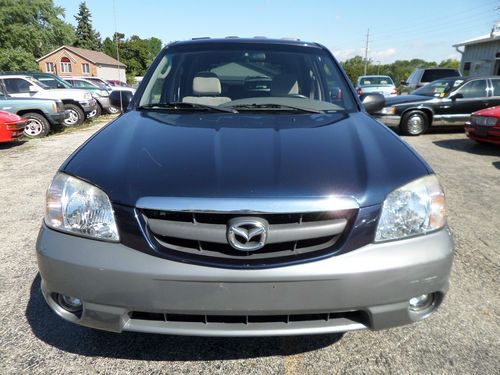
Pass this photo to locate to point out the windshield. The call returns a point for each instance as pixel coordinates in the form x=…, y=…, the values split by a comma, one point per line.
x=249, y=78
x=41, y=84
x=439, y=88
x=54, y=82
x=376, y=81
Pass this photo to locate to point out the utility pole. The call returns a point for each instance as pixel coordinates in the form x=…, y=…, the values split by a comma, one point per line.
x=366, y=50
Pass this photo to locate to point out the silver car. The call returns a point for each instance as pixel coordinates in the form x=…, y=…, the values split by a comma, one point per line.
x=241, y=195
x=376, y=85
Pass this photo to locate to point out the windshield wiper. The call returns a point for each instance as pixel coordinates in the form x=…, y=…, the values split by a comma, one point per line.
x=186, y=105
x=277, y=107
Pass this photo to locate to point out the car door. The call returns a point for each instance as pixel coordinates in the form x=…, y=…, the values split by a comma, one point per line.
x=17, y=87
x=494, y=99
x=472, y=96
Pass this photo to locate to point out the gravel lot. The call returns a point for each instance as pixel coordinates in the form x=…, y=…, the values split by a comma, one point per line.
x=463, y=337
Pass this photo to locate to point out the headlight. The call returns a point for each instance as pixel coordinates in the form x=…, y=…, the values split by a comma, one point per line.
x=484, y=120
x=78, y=207
x=100, y=93
x=87, y=96
x=388, y=110
x=413, y=209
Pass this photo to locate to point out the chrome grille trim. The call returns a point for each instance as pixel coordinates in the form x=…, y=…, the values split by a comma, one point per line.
x=217, y=232
x=248, y=205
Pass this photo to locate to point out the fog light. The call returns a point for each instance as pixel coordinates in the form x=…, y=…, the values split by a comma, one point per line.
x=421, y=303
x=68, y=303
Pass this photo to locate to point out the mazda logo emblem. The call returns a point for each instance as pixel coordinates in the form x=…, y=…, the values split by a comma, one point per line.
x=247, y=234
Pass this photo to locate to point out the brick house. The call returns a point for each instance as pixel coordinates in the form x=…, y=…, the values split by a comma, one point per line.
x=74, y=61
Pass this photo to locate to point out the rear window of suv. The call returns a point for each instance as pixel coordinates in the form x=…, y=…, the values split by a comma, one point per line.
x=433, y=74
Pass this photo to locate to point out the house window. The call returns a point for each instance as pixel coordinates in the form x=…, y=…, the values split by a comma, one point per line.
x=466, y=71
x=85, y=69
x=65, y=65
x=49, y=67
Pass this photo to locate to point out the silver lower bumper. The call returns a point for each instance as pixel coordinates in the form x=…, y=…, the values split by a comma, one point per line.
x=375, y=281
x=389, y=120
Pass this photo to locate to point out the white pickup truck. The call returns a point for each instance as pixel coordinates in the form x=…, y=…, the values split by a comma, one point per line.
x=78, y=103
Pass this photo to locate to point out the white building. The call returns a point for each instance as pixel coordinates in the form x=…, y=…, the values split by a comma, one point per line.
x=481, y=55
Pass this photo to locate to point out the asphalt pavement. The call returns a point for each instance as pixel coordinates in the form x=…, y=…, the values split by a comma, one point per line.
x=462, y=338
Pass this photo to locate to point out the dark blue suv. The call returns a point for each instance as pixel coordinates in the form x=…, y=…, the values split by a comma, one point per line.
x=245, y=191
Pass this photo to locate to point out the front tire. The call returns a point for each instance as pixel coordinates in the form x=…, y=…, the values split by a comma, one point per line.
x=414, y=123
x=37, y=126
x=76, y=115
x=98, y=110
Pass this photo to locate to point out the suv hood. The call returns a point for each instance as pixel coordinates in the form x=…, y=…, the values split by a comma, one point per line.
x=144, y=154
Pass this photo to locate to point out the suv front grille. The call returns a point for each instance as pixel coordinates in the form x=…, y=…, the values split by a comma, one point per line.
x=201, y=237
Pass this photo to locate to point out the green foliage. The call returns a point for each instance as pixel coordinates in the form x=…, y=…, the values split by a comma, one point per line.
x=30, y=29
x=16, y=59
x=86, y=36
x=399, y=70
x=134, y=52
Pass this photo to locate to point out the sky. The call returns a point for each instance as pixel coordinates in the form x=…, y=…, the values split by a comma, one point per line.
x=398, y=29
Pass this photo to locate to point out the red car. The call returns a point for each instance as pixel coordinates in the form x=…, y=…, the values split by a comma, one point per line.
x=484, y=126
x=11, y=126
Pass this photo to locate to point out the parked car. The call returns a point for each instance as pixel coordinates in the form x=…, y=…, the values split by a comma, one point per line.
x=41, y=114
x=106, y=85
x=78, y=103
x=422, y=76
x=11, y=126
x=116, y=83
x=484, y=126
x=99, y=94
x=376, y=85
x=240, y=195
x=447, y=101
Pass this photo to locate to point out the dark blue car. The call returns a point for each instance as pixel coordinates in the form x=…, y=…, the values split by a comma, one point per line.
x=245, y=191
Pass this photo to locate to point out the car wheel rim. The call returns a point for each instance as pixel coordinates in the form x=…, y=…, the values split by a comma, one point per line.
x=113, y=110
x=415, y=124
x=33, y=128
x=73, y=117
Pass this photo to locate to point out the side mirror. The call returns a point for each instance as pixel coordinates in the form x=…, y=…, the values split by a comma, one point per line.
x=456, y=96
x=120, y=99
x=33, y=88
x=404, y=83
x=372, y=102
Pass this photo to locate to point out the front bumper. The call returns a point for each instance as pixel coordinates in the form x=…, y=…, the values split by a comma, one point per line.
x=483, y=134
x=88, y=105
x=58, y=117
x=104, y=102
x=126, y=290
x=389, y=120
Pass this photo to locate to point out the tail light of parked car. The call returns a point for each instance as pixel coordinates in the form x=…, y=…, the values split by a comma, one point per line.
x=15, y=125
x=394, y=91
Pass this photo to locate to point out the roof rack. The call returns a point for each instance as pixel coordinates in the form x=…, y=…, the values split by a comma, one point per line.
x=200, y=37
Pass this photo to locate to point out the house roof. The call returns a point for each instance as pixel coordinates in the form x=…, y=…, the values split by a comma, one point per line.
x=95, y=57
x=479, y=39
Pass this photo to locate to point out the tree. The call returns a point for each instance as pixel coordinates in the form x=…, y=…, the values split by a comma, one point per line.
x=154, y=47
x=16, y=59
x=135, y=52
x=86, y=36
x=30, y=29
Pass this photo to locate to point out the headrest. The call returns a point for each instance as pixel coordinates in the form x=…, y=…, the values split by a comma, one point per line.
x=284, y=84
x=206, y=84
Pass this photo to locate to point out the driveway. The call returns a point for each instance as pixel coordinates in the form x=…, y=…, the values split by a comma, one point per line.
x=463, y=337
